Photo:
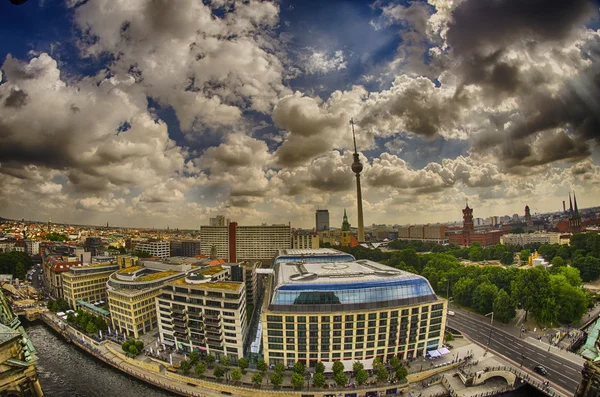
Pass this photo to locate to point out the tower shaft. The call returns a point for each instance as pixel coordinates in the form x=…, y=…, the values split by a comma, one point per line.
x=361, y=226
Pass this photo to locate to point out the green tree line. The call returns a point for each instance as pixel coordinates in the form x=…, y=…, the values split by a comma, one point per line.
x=15, y=263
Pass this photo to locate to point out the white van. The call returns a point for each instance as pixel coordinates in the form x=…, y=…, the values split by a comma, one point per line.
x=450, y=313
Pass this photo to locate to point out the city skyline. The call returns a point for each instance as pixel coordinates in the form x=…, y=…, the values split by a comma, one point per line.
x=252, y=121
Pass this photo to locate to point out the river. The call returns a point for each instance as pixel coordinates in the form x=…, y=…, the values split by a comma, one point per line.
x=66, y=371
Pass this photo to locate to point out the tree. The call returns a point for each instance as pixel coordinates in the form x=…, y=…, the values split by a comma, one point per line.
x=357, y=366
x=571, y=301
x=276, y=378
x=394, y=362
x=571, y=274
x=361, y=376
x=262, y=366
x=20, y=271
x=184, y=366
x=507, y=258
x=557, y=262
x=125, y=346
x=530, y=289
x=226, y=361
x=589, y=266
x=299, y=367
x=382, y=374
x=475, y=254
x=219, y=372
x=319, y=379
x=194, y=357
x=200, y=368
x=236, y=375
x=484, y=296
x=139, y=345
x=257, y=379
x=320, y=368
x=337, y=367
x=133, y=350
x=90, y=328
x=297, y=380
x=71, y=318
x=503, y=307
x=524, y=255
x=401, y=372
x=210, y=360
x=462, y=290
x=243, y=363
x=279, y=367
x=340, y=379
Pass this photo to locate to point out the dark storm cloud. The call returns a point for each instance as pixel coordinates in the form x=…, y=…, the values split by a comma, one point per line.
x=498, y=23
x=16, y=99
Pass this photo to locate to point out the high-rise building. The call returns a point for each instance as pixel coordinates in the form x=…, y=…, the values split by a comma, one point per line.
x=322, y=220
x=310, y=296
x=357, y=167
x=245, y=243
x=219, y=220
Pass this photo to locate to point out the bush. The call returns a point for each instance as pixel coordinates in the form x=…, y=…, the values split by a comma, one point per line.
x=236, y=375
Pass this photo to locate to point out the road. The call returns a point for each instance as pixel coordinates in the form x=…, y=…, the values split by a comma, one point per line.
x=561, y=372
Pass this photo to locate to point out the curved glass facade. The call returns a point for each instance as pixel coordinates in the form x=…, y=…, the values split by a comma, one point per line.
x=315, y=259
x=352, y=293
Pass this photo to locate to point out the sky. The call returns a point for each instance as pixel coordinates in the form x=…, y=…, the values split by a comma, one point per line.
x=155, y=113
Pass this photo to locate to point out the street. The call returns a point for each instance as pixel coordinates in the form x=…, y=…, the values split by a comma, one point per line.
x=561, y=371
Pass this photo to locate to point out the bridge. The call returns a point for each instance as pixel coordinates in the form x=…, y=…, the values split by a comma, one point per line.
x=513, y=377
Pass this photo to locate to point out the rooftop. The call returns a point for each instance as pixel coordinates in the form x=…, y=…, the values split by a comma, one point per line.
x=211, y=271
x=156, y=276
x=129, y=270
x=219, y=284
x=297, y=272
x=310, y=251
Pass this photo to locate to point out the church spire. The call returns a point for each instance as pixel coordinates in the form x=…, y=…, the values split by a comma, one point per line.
x=575, y=200
x=570, y=205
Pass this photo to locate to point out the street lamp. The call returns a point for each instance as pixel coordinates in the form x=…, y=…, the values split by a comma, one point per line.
x=491, y=328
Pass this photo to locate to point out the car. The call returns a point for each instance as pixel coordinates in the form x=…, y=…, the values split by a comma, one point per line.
x=450, y=313
x=540, y=370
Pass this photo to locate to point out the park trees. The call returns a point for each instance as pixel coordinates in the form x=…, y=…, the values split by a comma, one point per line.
x=484, y=296
x=257, y=379
x=530, y=289
x=236, y=375
x=200, y=368
x=361, y=376
x=503, y=307
x=243, y=363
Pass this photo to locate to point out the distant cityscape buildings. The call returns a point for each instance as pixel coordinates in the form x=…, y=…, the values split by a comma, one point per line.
x=219, y=220
x=322, y=220
x=245, y=243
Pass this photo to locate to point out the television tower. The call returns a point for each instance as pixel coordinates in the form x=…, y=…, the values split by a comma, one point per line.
x=357, y=167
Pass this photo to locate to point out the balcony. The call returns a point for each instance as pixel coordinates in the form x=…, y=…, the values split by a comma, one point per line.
x=209, y=321
x=180, y=328
x=198, y=341
x=180, y=312
x=181, y=335
x=213, y=316
x=215, y=347
x=180, y=322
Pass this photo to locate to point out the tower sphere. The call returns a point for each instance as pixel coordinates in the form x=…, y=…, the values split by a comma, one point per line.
x=357, y=167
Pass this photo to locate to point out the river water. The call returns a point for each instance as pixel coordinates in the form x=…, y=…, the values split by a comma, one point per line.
x=66, y=371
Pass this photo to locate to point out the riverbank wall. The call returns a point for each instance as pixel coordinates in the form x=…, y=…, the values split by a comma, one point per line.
x=153, y=374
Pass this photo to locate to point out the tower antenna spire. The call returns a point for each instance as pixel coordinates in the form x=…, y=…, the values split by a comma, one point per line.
x=353, y=135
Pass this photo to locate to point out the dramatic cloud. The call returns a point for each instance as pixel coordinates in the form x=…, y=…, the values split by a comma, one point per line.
x=172, y=112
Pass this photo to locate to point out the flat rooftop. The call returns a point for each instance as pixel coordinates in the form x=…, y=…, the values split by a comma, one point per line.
x=310, y=252
x=298, y=272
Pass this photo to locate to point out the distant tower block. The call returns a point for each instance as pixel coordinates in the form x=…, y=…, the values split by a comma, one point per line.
x=357, y=167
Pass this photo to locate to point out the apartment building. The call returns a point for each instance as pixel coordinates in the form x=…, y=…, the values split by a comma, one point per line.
x=132, y=291
x=245, y=243
x=204, y=311
x=159, y=249
x=87, y=283
x=305, y=240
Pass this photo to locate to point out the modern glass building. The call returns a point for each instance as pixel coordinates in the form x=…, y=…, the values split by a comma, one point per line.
x=346, y=309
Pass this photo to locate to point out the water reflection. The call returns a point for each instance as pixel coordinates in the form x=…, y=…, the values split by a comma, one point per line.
x=66, y=371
